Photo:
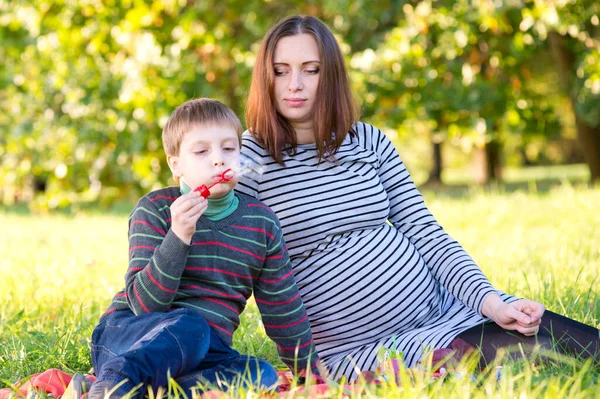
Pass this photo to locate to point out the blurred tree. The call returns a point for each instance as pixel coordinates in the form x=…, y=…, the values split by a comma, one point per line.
x=87, y=86
x=571, y=29
x=458, y=69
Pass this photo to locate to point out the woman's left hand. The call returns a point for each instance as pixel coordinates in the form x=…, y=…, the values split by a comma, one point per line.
x=523, y=315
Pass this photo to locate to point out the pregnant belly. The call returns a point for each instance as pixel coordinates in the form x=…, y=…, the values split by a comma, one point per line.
x=366, y=286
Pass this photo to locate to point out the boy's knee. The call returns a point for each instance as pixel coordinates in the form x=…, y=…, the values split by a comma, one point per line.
x=263, y=373
x=188, y=320
x=192, y=335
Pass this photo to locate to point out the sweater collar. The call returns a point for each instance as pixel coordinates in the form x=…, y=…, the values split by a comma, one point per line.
x=218, y=208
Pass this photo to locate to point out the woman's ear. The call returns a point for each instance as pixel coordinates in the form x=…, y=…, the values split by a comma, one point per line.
x=173, y=162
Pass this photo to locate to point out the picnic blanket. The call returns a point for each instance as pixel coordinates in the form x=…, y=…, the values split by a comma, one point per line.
x=54, y=382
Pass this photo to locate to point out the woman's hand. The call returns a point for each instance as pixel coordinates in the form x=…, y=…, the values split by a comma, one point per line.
x=523, y=315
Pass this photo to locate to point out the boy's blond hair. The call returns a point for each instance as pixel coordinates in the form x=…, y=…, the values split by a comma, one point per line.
x=199, y=111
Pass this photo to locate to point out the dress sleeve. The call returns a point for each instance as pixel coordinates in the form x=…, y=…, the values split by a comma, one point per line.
x=444, y=256
x=282, y=310
x=156, y=260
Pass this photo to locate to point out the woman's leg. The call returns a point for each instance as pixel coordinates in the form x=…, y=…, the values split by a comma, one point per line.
x=556, y=333
x=144, y=349
x=572, y=337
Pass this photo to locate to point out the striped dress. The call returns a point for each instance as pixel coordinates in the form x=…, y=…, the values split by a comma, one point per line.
x=373, y=266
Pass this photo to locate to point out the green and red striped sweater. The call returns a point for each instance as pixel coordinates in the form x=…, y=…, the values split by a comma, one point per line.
x=227, y=261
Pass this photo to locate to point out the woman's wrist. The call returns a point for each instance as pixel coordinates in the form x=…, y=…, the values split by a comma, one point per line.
x=490, y=306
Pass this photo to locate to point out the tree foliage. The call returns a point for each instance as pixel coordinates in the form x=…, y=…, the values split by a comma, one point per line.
x=86, y=86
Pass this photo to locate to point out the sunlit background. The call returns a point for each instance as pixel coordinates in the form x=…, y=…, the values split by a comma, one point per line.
x=469, y=91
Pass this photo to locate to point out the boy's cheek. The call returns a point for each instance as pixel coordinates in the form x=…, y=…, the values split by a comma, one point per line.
x=233, y=159
x=230, y=185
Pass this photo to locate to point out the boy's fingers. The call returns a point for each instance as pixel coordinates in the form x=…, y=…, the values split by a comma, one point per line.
x=186, y=197
x=197, y=210
x=201, y=206
x=188, y=203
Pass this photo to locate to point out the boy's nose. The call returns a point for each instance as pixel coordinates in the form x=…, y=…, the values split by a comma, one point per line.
x=219, y=163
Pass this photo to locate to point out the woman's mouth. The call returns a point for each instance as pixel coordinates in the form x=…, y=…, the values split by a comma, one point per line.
x=295, y=102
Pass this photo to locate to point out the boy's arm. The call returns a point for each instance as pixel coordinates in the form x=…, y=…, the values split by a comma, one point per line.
x=157, y=259
x=282, y=310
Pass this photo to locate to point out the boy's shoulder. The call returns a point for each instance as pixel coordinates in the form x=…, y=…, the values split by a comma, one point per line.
x=155, y=205
x=251, y=205
x=160, y=197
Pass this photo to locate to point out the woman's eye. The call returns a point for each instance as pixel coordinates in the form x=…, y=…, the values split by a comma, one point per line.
x=279, y=73
x=312, y=71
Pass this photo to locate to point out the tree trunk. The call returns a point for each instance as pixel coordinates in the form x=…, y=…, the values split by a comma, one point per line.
x=435, y=175
x=487, y=163
x=588, y=136
x=526, y=160
x=493, y=152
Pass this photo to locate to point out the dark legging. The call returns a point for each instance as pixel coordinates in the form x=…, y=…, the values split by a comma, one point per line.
x=557, y=333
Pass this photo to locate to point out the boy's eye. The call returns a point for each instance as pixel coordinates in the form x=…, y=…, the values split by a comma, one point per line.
x=200, y=152
x=229, y=148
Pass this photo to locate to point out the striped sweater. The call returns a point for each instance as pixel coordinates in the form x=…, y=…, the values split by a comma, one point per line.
x=227, y=261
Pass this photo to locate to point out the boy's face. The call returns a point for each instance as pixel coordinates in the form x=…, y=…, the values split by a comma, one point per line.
x=206, y=151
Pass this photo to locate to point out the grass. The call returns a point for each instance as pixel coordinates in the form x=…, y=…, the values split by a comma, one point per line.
x=459, y=182
x=59, y=273
x=537, y=174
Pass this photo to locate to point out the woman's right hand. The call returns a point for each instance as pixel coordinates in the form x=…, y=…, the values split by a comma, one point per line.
x=185, y=212
x=523, y=315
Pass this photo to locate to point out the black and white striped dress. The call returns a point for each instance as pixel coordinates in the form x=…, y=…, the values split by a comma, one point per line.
x=373, y=266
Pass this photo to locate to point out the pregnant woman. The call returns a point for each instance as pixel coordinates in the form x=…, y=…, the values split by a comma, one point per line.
x=373, y=266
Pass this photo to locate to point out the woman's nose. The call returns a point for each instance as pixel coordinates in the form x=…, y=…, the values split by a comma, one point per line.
x=295, y=81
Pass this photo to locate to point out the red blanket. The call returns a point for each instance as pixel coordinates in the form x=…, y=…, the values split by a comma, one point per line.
x=54, y=381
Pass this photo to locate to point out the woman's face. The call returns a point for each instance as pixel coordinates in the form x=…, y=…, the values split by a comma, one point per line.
x=296, y=63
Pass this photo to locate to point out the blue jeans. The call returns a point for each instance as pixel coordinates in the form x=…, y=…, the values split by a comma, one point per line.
x=146, y=349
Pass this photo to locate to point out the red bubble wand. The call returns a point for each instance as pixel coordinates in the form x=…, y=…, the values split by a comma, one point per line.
x=204, y=191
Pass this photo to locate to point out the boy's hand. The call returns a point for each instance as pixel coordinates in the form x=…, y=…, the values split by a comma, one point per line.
x=185, y=212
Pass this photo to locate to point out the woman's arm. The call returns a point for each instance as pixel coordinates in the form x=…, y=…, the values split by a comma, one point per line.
x=447, y=260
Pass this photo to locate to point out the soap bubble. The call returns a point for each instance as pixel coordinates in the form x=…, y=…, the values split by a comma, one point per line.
x=250, y=165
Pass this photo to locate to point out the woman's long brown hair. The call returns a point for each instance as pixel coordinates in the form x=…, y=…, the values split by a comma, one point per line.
x=335, y=111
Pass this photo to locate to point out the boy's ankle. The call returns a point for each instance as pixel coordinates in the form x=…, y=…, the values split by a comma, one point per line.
x=104, y=389
x=78, y=386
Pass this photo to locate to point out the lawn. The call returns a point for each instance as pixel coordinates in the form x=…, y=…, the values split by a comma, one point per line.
x=58, y=274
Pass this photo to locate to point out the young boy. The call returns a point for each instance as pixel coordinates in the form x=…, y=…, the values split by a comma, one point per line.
x=193, y=264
